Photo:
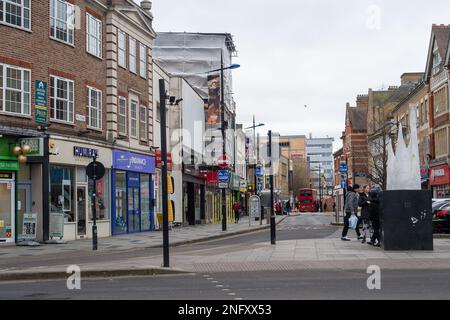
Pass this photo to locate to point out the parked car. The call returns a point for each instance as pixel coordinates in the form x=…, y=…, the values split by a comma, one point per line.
x=441, y=217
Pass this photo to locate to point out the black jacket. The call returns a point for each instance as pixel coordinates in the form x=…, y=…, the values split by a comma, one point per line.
x=374, y=206
x=363, y=202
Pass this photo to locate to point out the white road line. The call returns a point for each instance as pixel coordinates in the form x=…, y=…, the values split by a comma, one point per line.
x=231, y=294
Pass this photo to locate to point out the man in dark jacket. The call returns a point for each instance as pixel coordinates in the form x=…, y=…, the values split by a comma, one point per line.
x=375, y=217
x=364, y=203
x=350, y=208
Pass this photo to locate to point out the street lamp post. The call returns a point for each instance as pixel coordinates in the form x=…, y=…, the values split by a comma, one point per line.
x=254, y=126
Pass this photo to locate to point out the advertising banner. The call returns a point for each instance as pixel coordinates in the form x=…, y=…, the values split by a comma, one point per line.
x=214, y=99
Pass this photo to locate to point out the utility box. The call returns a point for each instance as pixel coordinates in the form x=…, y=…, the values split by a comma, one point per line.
x=406, y=220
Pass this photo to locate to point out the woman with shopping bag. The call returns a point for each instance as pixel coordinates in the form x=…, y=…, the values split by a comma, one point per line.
x=351, y=210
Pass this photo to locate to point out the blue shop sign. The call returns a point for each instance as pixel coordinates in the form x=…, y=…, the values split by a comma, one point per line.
x=128, y=161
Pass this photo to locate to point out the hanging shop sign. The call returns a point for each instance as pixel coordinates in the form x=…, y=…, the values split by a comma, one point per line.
x=40, y=102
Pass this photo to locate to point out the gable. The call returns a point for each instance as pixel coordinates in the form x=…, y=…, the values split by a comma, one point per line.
x=440, y=37
x=139, y=19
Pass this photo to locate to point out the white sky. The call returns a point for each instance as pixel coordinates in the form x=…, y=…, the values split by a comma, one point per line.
x=319, y=53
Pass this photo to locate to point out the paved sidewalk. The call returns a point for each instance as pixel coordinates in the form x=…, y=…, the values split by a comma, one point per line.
x=177, y=236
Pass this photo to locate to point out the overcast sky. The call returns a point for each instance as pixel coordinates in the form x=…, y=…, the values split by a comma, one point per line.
x=316, y=53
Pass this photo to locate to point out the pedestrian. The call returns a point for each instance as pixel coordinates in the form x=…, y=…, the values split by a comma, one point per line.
x=325, y=207
x=350, y=208
x=278, y=209
x=375, y=217
x=236, y=209
x=288, y=207
x=364, y=203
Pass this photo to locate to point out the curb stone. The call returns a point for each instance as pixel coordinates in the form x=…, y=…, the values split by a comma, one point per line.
x=55, y=275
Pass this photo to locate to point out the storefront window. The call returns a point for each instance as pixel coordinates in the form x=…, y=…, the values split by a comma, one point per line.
x=102, y=199
x=145, y=202
x=120, y=223
x=61, y=192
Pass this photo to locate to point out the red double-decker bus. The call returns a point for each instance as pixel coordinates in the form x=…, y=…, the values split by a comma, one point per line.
x=306, y=200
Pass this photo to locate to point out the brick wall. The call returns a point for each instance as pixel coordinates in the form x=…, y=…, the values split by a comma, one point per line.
x=45, y=56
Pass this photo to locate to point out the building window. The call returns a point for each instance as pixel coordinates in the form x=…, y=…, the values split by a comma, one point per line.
x=62, y=21
x=14, y=90
x=143, y=61
x=143, y=123
x=436, y=59
x=441, y=142
x=122, y=116
x=61, y=99
x=15, y=13
x=94, y=35
x=133, y=119
x=122, y=48
x=94, y=105
x=132, y=55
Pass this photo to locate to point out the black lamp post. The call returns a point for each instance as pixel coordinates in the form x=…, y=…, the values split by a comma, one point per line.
x=223, y=125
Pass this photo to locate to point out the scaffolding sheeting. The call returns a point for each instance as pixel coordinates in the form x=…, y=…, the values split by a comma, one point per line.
x=192, y=55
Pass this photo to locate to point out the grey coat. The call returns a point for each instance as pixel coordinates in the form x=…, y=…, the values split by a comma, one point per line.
x=351, y=202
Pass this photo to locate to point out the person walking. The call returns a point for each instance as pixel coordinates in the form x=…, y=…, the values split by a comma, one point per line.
x=350, y=208
x=288, y=207
x=375, y=217
x=236, y=209
x=364, y=203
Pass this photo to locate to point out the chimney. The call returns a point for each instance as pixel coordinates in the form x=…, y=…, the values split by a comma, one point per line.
x=362, y=101
x=146, y=5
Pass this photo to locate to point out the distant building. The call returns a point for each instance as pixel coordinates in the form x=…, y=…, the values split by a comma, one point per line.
x=320, y=157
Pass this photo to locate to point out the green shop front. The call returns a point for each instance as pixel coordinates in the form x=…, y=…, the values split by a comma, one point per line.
x=9, y=168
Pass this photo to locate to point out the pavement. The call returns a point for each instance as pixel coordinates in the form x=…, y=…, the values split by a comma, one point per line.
x=13, y=262
x=234, y=254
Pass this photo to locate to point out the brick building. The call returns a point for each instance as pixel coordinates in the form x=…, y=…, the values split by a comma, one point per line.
x=75, y=81
x=354, y=138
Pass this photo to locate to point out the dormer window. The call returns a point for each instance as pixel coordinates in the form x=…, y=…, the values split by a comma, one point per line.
x=437, y=60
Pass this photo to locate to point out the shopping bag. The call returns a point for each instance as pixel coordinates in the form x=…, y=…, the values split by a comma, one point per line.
x=353, y=221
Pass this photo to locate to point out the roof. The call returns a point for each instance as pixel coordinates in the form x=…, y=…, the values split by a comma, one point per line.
x=228, y=37
x=357, y=118
x=440, y=34
x=416, y=89
x=402, y=92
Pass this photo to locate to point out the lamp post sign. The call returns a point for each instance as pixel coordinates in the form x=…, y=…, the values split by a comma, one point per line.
x=223, y=176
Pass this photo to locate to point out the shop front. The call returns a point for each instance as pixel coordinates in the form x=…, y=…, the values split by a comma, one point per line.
x=9, y=167
x=71, y=190
x=440, y=181
x=194, y=195
x=132, y=192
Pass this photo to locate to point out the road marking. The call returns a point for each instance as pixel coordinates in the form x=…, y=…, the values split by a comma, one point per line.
x=238, y=299
x=225, y=289
x=231, y=294
x=215, y=281
x=219, y=285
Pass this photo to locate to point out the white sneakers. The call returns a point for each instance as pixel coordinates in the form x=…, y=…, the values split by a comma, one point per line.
x=346, y=239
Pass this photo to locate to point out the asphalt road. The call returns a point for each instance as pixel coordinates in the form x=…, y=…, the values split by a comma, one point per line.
x=282, y=285
x=311, y=226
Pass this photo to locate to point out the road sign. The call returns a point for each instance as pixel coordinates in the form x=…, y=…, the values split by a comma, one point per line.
x=259, y=171
x=343, y=184
x=223, y=176
x=222, y=161
x=40, y=102
x=343, y=168
x=95, y=170
x=259, y=186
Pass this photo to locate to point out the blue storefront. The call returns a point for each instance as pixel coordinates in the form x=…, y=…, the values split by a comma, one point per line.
x=132, y=192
